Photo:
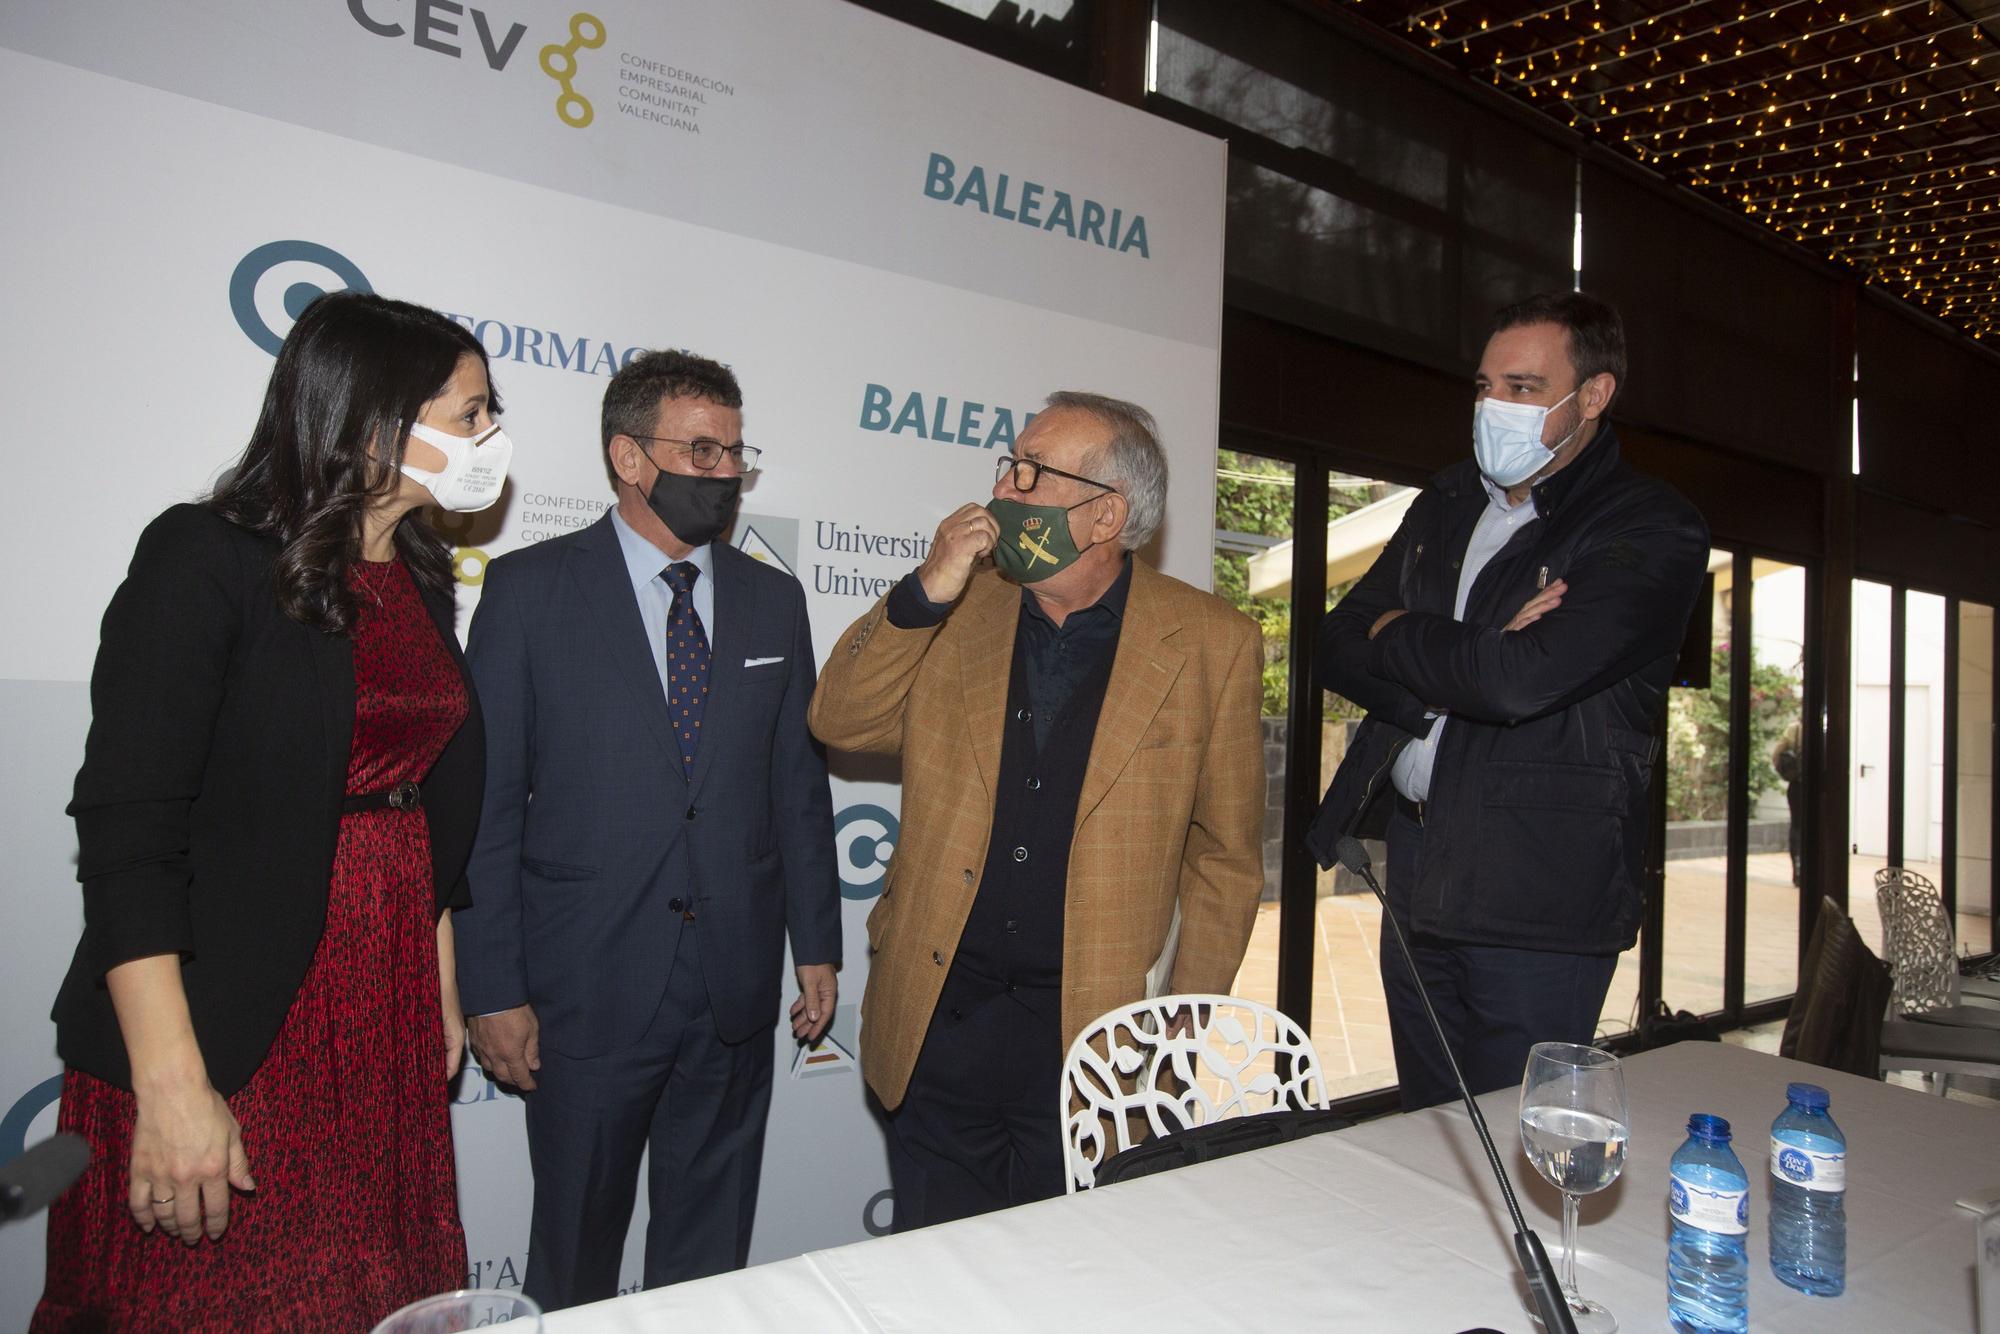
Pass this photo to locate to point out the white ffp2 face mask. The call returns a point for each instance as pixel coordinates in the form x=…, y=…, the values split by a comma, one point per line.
x=475, y=468
x=1507, y=438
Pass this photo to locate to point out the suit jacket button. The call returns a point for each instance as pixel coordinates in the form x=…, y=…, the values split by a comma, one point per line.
x=968, y=876
x=673, y=905
x=937, y=957
x=690, y=814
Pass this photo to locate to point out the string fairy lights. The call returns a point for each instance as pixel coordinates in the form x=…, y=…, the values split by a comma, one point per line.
x=1868, y=133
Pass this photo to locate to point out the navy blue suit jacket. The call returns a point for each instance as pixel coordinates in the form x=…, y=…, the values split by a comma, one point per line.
x=590, y=827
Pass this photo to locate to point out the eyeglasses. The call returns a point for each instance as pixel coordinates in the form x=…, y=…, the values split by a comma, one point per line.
x=1026, y=472
x=707, y=453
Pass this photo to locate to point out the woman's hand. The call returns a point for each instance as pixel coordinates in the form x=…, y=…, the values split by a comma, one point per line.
x=187, y=1151
x=454, y=1013
x=454, y=1035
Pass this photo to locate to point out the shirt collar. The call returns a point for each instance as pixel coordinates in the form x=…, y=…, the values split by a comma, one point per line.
x=1498, y=495
x=644, y=561
x=1112, y=601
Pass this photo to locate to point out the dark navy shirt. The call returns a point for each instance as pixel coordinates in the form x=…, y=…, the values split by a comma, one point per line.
x=1057, y=658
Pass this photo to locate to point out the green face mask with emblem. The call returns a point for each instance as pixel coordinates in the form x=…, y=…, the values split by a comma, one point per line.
x=1034, y=539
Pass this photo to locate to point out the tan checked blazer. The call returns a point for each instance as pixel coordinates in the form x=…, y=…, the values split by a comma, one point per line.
x=1171, y=812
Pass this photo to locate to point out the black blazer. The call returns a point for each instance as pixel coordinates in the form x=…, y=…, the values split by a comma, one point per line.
x=208, y=804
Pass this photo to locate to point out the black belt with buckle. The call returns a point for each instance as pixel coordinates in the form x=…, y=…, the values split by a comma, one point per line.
x=405, y=796
x=1413, y=811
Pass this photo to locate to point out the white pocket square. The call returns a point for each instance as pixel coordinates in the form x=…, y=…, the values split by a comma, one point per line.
x=760, y=662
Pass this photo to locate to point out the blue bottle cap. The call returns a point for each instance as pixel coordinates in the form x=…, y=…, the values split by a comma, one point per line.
x=1809, y=1096
x=1712, y=1128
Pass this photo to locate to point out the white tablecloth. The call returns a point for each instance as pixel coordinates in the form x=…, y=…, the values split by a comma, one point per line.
x=1394, y=1225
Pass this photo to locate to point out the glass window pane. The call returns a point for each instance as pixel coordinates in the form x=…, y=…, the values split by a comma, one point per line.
x=1868, y=756
x=1698, y=758
x=1779, y=796
x=1350, y=1021
x=1253, y=573
x=1620, y=1014
x=1051, y=23
x=1292, y=237
x=1923, y=735
x=1975, y=778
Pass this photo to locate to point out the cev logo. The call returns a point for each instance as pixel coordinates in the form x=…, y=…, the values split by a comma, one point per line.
x=250, y=294
x=559, y=63
x=468, y=564
x=864, y=838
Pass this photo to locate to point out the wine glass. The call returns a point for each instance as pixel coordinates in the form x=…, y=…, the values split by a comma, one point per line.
x=1573, y=1128
x=468, y=1308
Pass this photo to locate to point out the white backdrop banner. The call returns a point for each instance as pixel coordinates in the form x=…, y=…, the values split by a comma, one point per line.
x=900, y=245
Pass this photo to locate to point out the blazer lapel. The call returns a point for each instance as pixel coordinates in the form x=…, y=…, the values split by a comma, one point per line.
x=985, y=660
x=597, y=566
x=736, y=611
x=1142, y=673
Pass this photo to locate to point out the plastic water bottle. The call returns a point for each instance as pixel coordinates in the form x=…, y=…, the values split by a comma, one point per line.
x=1708, y=1270
x=1808, y=1195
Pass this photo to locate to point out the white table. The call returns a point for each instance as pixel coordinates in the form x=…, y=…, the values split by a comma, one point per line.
x=1394, y=1225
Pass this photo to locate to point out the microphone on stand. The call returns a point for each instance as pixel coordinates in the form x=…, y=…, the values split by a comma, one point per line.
x=33, y=1181
x=1535, y=1266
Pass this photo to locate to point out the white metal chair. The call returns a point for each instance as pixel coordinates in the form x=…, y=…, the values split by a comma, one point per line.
x=1927, y=1030
x=1922, y=954
x=1174, y=1062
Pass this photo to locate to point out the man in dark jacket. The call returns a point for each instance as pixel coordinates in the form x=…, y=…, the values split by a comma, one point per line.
x=1513, y=646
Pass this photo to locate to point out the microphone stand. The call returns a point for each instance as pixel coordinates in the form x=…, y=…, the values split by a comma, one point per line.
x=1550, y=1304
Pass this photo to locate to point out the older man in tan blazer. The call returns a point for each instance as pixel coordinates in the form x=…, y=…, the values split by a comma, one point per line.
x=1081, y=757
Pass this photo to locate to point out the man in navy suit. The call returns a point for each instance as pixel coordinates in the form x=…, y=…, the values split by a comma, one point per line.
x=656, y=821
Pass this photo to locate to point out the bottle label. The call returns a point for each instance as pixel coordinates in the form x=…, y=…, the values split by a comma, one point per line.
x=1723, y=1211
x=1806, y=1169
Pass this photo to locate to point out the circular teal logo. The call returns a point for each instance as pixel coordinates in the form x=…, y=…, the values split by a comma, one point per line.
x=864, y=838
x=252, y=269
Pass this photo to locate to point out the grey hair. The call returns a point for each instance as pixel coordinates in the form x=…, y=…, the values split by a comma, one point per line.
x=1130, y=460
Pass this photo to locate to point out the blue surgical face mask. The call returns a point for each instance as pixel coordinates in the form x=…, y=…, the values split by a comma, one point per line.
x=1507, y=438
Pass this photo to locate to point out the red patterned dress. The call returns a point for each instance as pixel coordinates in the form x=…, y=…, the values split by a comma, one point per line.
x=346, y=1122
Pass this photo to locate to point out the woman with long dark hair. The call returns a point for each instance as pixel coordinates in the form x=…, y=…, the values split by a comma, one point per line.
x=277, y=798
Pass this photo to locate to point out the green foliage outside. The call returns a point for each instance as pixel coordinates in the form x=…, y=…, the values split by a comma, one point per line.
x=1263, y=508
x=1698, y=738
x=1247, y=503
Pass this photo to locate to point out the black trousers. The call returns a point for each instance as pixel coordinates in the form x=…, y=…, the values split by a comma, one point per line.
x=696, y=1104
x=979, y=1129
x=1494, y=1002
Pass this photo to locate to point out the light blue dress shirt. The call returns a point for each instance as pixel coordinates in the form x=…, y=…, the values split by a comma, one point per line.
x=644, y=562
x=1498, y=523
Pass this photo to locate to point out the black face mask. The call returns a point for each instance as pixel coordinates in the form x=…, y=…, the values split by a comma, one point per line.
x=697, y=509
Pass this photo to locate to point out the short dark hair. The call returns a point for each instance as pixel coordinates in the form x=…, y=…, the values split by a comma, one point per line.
x=632, y=400
x=1596, y=334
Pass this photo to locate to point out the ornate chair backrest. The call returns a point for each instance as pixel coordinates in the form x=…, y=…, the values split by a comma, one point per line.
x=1173, y=1062
x=1917, y=940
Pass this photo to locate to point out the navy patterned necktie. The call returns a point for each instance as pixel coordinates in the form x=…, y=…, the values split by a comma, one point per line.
x=687, y=661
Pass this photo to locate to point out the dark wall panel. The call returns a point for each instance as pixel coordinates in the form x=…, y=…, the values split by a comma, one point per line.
x=1930, y=414
x=1284, y=381
x=1730, y=342
x=1904, y=543
x=1287, y=382
x=1745, y=500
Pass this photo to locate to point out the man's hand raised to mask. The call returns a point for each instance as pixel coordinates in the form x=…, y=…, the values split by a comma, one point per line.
x=966, y=534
